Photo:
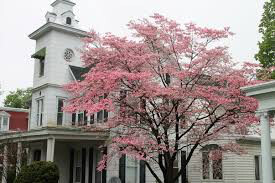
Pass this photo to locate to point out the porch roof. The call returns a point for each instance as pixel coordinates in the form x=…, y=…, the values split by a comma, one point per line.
x=59, y=133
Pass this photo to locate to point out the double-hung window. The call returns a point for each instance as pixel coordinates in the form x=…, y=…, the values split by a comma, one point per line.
x=131, y=170
x=212, y=165
x=258, y=167
x=39, y=111
x=60, y=112
x=82, y=118
x=78, y=167
x=41, y=67
x=176, y=168
x=102, y=116
x=4, y=121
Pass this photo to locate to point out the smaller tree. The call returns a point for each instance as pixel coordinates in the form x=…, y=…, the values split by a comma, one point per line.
x=38, y=172
x=18, y=98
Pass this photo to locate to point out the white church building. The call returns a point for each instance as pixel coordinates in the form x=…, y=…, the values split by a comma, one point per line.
x=55, y=135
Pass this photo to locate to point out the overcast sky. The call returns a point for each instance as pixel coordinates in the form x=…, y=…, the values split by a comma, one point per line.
x=20, y=18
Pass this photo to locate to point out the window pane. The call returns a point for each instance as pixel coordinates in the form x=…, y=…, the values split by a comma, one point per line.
x=59, y=118
x=73, y=118
x=80, y=118
x=41, y=119
x=98, y=174
x=99, y=116
x=77, y=174
x=106, y=114
x=217, y=169
x=257, y=168
x=176, y=169
x=60, y=105
x=42, y=65
x=205, y=165
x=37, y=155
x=131, y=175
x=5, y=123
x=37, y=114
x=42, y=105
x=92, y=119
x=131, y=171
x=85, y=118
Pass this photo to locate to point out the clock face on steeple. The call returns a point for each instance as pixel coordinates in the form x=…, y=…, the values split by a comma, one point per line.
x=68, y=55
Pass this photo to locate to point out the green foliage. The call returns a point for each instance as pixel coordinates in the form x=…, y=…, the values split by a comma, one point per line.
x=11, y=175
x=18, y=98
x=38, y=172
x=267, y=28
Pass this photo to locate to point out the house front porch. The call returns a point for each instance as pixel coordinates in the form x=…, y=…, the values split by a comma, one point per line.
x=75, y=152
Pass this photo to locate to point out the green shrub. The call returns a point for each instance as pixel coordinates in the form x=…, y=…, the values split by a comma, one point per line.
x=38, y=172
x=11, y=175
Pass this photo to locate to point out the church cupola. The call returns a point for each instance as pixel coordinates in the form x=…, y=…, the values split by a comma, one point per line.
x=62, y=13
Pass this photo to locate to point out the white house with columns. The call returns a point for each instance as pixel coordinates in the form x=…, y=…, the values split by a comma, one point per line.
x=265, y=94
x=55, y=135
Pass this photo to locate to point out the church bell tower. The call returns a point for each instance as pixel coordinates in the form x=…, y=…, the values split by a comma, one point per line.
x=57, y=51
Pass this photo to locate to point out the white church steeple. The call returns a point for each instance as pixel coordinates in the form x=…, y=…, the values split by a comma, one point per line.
x=56, y=52
x=62, y=13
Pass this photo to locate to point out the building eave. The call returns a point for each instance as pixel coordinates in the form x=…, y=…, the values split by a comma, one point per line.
x=11, y=109
x=46, y=85
x=58, y=27
x=259, y=89
x=59, y=133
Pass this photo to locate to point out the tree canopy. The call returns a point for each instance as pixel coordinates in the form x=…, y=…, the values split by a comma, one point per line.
x=167, y=88
x=18, y=99
x=266, y=54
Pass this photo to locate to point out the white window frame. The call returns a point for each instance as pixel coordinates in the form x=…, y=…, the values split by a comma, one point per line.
x=63, y=113
x=39, y=111
x=41, y=67
x=78, y=164
x=260, y=168
x=3, y=115
x=127, y=165
x=210, y=168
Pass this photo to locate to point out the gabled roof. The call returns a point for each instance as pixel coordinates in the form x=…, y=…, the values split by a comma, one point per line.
x=78, y=72
x=3, y=113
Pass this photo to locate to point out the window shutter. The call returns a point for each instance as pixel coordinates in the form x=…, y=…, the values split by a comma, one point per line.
x=83, y=173
x=71, y=166
x=106, y=114
x=122, y=168
x=142, y=171
x=104, y=172
x=183, y=166
x=91, y=162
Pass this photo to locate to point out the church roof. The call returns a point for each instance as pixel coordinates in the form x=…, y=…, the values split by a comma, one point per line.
x=78, y=72
x=64, y=1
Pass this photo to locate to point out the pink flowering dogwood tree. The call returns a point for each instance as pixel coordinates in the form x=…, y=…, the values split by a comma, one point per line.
x=167, y=88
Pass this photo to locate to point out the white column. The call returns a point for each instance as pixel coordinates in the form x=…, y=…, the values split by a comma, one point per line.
x=266, y=148
x=19, y=157
x=50, y=149
x=5, y=165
